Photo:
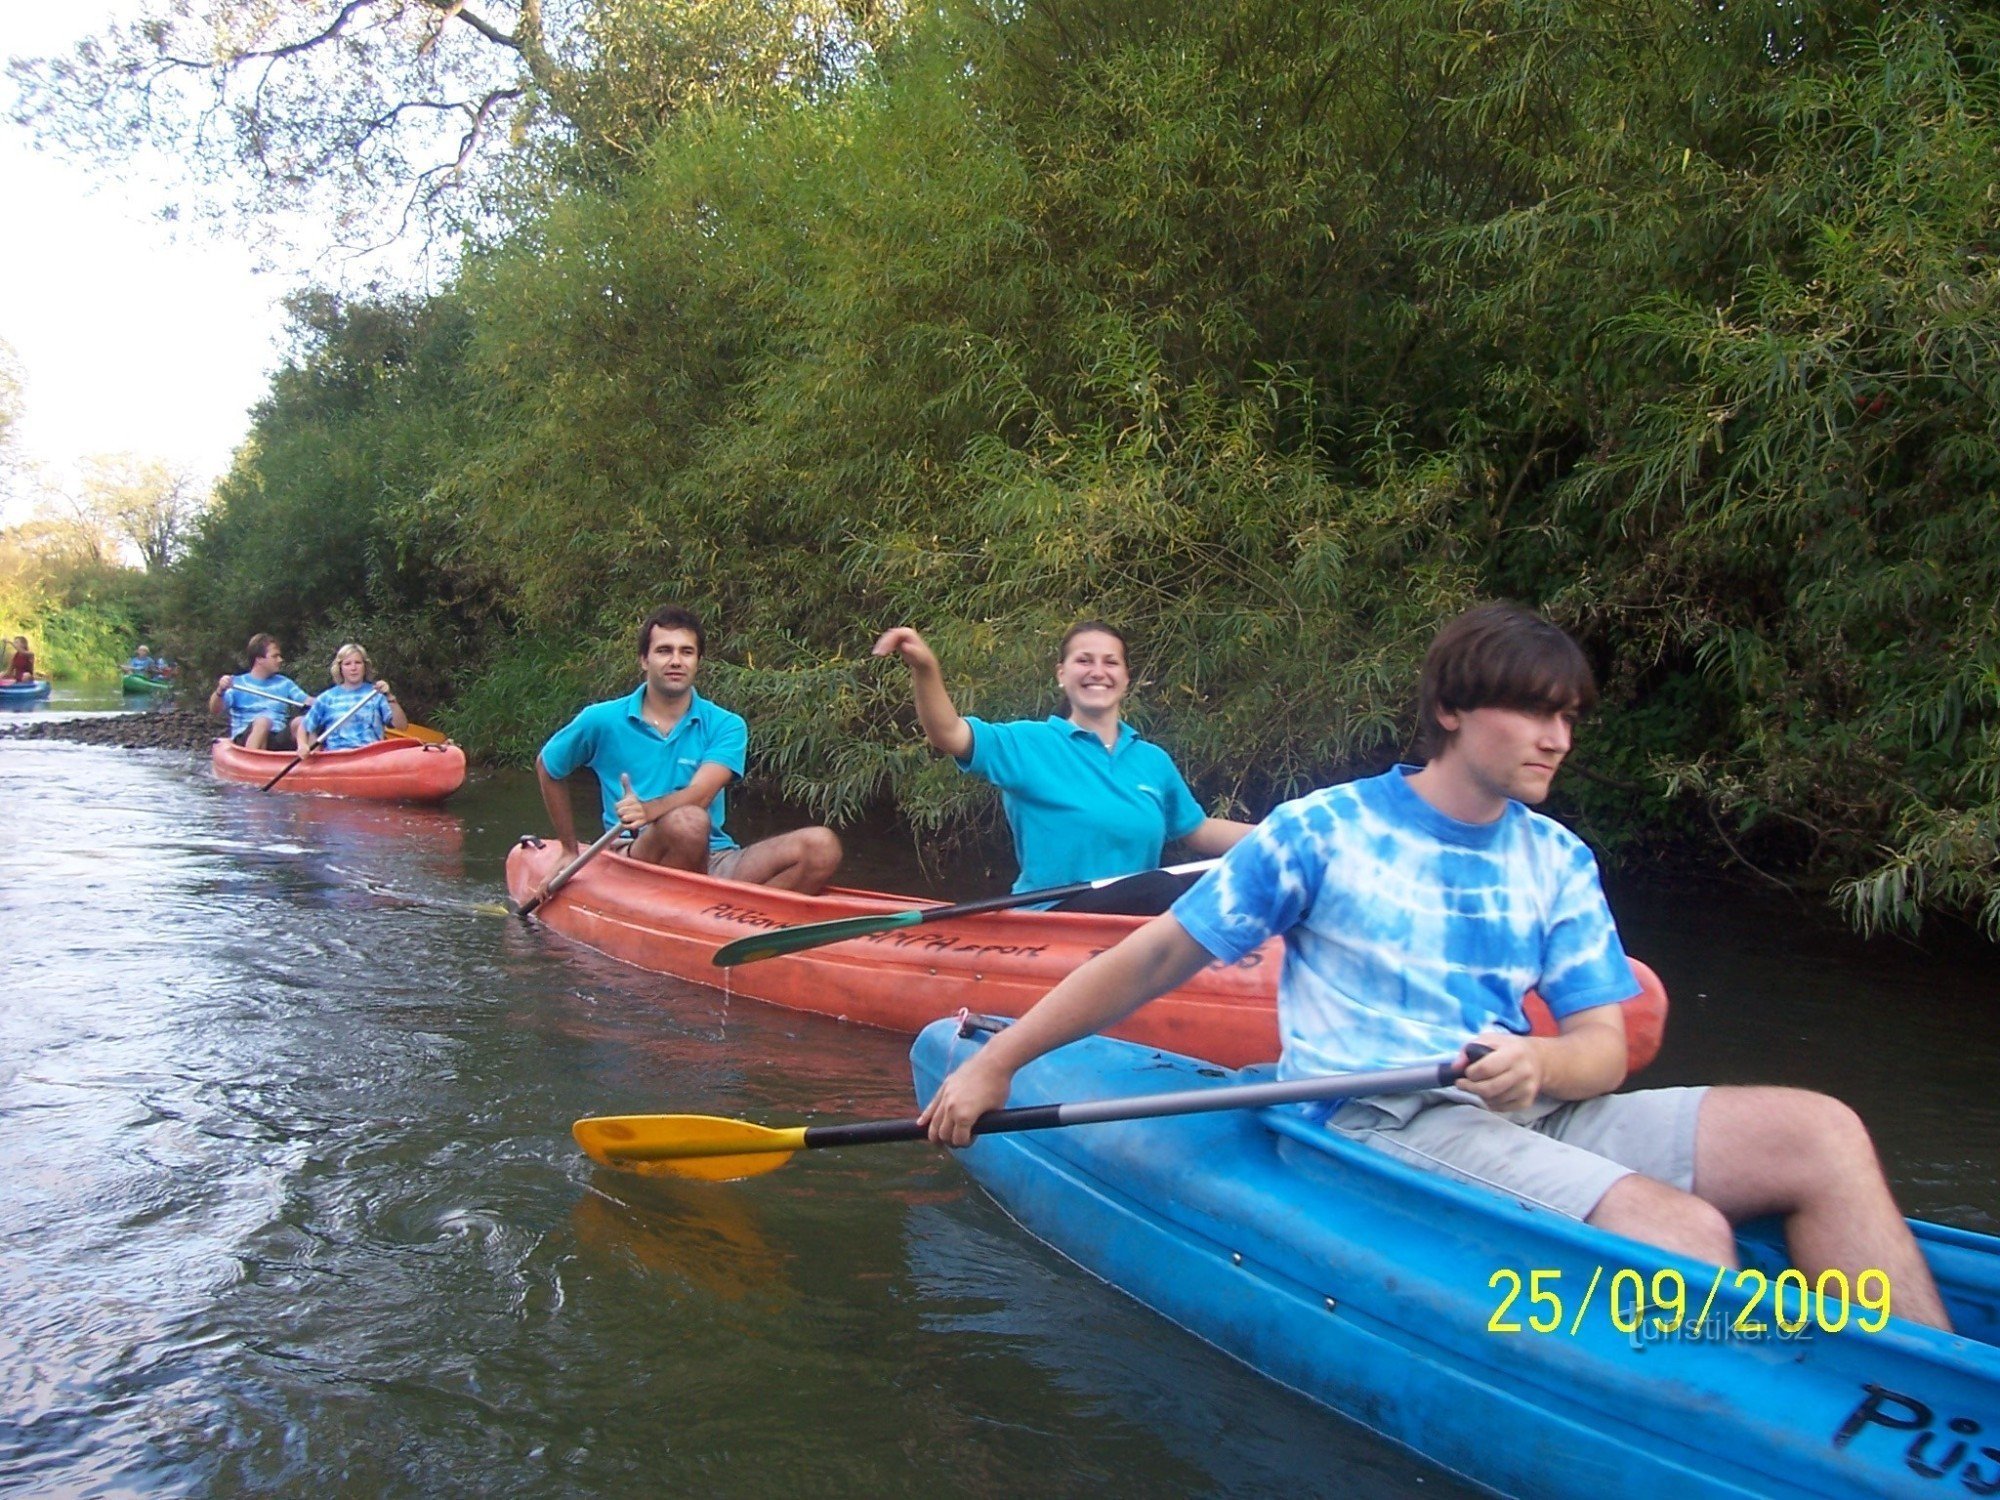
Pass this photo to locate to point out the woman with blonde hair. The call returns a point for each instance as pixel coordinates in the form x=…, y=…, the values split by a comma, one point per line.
x=335, y=722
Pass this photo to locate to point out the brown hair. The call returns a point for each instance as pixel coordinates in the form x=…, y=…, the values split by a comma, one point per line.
x=1091, y=627
x=671, y=617
x=261, y=642
x=1499, y=656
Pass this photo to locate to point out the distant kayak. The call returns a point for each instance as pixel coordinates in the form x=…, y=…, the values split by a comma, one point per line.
x=137, y=684
x=25, y=692
x=1528, y=1352
x=388, y=771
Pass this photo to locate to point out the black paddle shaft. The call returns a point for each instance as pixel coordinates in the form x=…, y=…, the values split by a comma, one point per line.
x=1435, y=1075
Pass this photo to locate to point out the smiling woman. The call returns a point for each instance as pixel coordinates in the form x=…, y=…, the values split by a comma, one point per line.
x=1085, y=797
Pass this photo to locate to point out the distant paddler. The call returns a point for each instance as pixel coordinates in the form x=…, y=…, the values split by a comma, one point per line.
x=1084, y=795
x=353, y=712
x=21, y=666
x=145, y=664
x=260, y=703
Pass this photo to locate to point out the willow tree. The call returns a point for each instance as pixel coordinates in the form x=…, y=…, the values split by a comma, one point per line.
x=376, y=117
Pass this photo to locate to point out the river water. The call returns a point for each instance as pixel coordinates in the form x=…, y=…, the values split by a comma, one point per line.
x=291, y=1204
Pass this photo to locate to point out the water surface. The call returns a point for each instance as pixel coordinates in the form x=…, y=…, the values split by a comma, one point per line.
x=291, y=1204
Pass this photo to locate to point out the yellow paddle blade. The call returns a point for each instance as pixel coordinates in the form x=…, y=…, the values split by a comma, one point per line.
x=418, y=733
x=703, y=1146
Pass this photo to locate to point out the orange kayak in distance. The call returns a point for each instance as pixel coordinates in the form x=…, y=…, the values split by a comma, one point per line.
x=991, y=963
x=387, y=771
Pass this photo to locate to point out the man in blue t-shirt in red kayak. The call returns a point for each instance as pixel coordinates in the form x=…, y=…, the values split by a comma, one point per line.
x=1417, y=907
x=262, y=702
x=664, y=756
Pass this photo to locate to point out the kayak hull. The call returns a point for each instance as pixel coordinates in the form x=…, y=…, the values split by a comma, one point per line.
x=25, y=692
x=387, y=771
x=134, y=683
x=1375, y=1289
x=994, y=963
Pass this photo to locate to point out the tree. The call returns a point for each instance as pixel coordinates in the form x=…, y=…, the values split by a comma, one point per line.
x=383, y=116
x=11, y=408
x=144, y=502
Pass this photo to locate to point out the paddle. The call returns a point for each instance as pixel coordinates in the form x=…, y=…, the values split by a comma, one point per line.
x=299, y=759
x=718, y=1150
x=781, y=940
x=239, y=685
x=419, y=733
x=562, y=877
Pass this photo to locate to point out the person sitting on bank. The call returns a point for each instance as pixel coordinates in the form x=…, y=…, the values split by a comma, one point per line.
x=1085, y=797
x=260, y=703
x=353, y=712
x=664, y=756
x=1416, y=907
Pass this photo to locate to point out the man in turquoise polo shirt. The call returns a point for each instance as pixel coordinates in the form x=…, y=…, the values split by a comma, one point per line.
x=664, y=756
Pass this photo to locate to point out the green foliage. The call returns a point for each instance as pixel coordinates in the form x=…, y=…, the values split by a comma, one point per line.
x=1276, y=332
x=529, y=690
x=310, y=536
x=81, y=610
x=82, y=642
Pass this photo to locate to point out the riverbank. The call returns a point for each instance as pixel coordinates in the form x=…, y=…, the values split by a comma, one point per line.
x=160, y=729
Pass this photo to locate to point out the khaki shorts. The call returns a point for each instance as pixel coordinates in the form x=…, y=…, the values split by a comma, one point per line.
x=719, y=864
x=1559, y=1156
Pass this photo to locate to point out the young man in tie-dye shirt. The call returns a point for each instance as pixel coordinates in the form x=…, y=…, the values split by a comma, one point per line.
x=1417, y=907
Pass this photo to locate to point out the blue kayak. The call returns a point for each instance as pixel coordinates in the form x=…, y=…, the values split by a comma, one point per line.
x=1415, y=1305
x=24, y=692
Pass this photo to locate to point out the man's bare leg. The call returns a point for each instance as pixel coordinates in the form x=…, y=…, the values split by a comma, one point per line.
x=1808, y=1158
x=801, y=860
x=1642, y=1208
x=1802, y=1156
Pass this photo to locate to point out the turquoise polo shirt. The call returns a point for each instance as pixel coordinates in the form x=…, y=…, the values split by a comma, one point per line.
x=1080, y=811
x=615, y=739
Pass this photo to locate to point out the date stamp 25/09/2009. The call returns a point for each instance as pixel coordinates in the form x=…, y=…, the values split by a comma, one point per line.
x=1664, y=1305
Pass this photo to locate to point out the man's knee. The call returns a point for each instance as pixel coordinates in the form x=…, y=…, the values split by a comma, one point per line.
x=685, y=825
x=1805, y=1128
x=819, y=847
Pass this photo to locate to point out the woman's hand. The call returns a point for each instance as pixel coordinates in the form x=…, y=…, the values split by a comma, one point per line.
x=903, y=641
x=944, y=727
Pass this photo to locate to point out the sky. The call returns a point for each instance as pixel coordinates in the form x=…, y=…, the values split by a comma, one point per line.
x=133, y=338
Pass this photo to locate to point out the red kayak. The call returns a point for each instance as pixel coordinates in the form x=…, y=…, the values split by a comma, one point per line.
x=993, y=963
x=387, y=771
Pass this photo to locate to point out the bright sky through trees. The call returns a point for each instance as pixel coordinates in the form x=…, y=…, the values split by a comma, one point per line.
x=130, y=340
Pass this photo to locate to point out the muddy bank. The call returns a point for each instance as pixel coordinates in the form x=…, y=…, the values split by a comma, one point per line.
x=162, y=729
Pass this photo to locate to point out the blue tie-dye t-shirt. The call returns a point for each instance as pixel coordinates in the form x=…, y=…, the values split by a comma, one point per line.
x=362, y=717
x=1406, y=931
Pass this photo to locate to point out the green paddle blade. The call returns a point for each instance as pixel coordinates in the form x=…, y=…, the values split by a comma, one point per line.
x=703, y=1146
x=813, y=935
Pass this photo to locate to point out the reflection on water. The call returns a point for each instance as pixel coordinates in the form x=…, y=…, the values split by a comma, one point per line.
x=291, y=1204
